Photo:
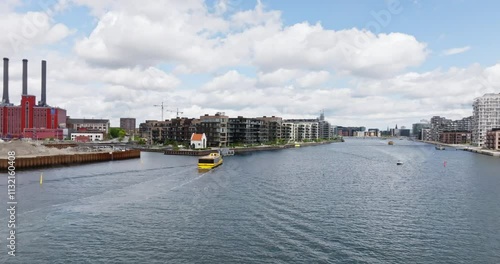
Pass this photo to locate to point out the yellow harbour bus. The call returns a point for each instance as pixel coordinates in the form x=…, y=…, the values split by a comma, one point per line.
x=210, y=161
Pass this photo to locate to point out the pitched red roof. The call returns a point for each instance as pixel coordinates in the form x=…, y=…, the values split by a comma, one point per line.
x=197, y=137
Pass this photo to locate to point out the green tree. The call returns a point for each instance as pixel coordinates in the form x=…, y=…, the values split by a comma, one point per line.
x=115, y=132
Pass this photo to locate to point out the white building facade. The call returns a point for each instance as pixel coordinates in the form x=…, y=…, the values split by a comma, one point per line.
x=198, y=141
x=485, y=118
x=77, y=124
x=91, y=136
x=300, y=130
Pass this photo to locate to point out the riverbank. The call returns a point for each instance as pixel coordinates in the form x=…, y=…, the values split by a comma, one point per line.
x=238, y=150
x=469, y=148
x=34, y=154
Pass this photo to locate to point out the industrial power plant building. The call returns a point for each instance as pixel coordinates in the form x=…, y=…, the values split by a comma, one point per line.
x=29, y=119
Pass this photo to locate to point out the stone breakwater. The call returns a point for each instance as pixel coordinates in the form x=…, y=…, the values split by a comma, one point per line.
x=26, y=162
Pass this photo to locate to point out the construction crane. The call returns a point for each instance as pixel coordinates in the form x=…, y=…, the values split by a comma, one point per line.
x=161, y=110
x=176, y=112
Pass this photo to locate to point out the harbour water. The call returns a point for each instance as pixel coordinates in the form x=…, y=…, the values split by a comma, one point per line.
x=337, y=203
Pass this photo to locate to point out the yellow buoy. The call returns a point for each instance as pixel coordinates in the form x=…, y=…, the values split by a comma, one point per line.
x=41, y=178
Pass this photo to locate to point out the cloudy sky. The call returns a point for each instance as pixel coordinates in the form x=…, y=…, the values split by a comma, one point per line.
x=370, y=63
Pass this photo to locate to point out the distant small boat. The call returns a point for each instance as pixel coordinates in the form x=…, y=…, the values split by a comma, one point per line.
x=390, y=143
x=399, y=162
x=439, y=147
x=297, y=145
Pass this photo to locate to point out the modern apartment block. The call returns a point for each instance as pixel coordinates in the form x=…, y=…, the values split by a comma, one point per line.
x=438, y=126
x=302, y=129
x=373, y=132
x=272, y=128
x=486, y=117
x=464, y=124
x=223, y=131
x=418, y=127
x=242, y=130
x=348, y=131
x=426, y=134
x=325, y=128
x=215, y=128
x=455, y=137
x=493, y=139
x=179, y=129
x=153, y=130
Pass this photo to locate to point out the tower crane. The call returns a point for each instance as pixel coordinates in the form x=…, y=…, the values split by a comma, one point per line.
x=161, y=105
x=177, y=112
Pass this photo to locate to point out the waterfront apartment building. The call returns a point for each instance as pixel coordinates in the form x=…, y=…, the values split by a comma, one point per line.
x=438, y=125
x=325, y=128
x=301, y=129
x=418, y=127
x=272, y=127
x=153, y=131
x=179, y=129
x=373, y=132
x=348, y=131
x=242, y=130
x=493, y=139
x=464, y=124
x=287, y=132
x=128, y=124
x=215, y=128
x=223, y=131
x=485, y=118
x=426, y=134
x=455, y=137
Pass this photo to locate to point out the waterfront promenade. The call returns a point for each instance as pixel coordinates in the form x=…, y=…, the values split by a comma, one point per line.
x=239, y=150
x=469, y=148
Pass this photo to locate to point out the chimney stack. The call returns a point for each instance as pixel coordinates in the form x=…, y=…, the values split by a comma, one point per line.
x=5, y=98
x=44, y=83
x=25, y=77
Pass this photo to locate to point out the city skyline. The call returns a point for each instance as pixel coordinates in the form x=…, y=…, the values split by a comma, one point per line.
x=256, y=58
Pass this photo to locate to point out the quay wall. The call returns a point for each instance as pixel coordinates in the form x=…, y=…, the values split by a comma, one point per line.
x=188, y=152
x=240, y=150
x=27, y=162
x=473, y=149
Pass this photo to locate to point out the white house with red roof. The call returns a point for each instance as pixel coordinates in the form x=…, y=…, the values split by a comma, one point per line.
x=198, y=141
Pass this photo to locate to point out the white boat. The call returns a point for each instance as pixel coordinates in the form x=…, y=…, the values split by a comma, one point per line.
x=439, y=147
x=399, y=162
